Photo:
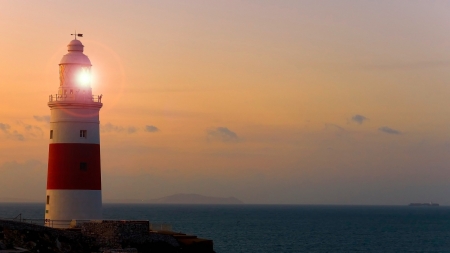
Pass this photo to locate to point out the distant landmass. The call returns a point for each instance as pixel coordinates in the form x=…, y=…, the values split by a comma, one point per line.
x=424, y=204
x=195, y=199
x=123, y=201
x=184, y=199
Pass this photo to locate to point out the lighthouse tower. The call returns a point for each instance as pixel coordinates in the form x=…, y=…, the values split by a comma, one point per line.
x=74, y=175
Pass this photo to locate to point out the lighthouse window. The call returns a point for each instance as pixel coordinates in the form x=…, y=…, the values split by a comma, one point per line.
x=83, y=166
x=48, y=199
x=51, y=134
x=83, y=133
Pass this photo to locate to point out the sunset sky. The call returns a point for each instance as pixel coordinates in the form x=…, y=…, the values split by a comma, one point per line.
x=269, y=101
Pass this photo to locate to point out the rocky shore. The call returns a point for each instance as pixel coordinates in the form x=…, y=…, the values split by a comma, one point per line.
x=102, y=236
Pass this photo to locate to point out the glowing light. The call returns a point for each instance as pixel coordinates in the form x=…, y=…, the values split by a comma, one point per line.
x=84, y=77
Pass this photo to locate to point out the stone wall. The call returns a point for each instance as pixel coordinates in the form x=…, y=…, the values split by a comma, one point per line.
x=92, y=237
x=127, y=234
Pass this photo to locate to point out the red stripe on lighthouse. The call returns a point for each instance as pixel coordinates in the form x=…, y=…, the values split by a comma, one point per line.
x=74, y=166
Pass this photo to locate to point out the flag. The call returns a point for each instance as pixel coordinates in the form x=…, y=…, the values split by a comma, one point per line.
x=80, y=35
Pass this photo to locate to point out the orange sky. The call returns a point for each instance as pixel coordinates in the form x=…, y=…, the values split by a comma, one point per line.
x=302, y=102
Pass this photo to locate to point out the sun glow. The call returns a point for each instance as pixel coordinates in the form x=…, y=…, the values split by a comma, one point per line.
x=84, y=77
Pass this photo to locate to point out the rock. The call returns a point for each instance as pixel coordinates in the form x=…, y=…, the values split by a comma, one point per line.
x=30, y=245
x=2, y=246
x=127, y=250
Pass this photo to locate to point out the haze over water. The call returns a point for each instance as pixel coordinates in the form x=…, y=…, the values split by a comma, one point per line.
x=281, y=102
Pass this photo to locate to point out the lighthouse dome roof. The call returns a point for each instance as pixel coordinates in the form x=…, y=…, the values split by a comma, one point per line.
x=75, y=55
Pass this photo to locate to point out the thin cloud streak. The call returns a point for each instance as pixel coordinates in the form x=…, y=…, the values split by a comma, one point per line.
x=389, y=130
x=11, y=134
x=110, y=128
x=44, y=118
x=151, y=129
x=131, y=130
x=222, y=134
x=34, y=131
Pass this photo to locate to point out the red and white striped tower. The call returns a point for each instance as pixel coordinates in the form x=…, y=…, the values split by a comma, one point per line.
x=74, y=175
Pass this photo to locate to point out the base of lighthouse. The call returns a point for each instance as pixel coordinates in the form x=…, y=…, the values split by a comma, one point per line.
x=67, y=205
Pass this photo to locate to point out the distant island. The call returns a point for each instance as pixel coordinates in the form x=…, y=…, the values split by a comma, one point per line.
x=193, y=199
x=424, y=204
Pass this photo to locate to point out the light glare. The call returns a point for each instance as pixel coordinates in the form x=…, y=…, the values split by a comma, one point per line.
x=84, y=78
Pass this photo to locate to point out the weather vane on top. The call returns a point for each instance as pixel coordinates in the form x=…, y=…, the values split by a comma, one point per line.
x=77, y=34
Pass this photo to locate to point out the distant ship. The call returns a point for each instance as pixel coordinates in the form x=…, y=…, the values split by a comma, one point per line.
x=424, y=204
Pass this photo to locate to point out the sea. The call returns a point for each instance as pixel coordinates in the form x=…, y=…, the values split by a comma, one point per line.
x=289, y=228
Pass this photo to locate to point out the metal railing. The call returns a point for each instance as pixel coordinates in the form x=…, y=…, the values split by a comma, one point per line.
x=56, y=223
x=155, y=226
x=49, y=222
x=75, y=97
x=63, y=223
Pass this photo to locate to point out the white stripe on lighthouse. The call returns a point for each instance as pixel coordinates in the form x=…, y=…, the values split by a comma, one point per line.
x=73, y=204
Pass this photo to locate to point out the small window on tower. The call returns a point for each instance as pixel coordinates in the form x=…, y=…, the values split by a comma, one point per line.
x=83, y=166
x=48, y=199
x=71, y=92
x=83, y=133
x=51, y=134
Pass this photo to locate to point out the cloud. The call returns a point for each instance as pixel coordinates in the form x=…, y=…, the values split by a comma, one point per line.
x=5, y=128
x=17, y=136
x=131, y=130
x=44, y=118
x=32, y=130
x=359, y=118
x=388, y=130
x=151, y=129
x=335, y=129
x=108, y=128
x=329, y=126
x=222, y=134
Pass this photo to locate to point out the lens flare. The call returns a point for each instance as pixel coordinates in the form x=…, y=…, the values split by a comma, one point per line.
x=84, y=77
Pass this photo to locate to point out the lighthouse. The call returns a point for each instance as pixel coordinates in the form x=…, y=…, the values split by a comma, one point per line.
x=74, y=190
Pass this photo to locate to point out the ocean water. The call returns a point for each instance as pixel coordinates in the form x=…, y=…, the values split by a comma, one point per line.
x=290, y=228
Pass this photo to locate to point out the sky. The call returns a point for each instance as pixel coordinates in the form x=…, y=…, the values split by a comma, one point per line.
x=269, y=101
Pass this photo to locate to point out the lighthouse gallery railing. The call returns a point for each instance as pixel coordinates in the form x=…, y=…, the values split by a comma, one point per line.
x=75, y=97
